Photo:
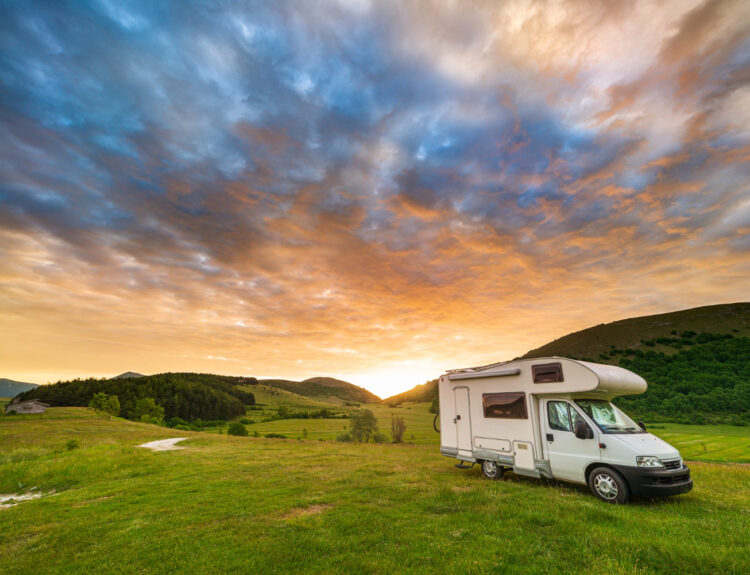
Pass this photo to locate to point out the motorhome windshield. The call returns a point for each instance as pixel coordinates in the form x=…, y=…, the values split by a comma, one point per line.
x=607, y=417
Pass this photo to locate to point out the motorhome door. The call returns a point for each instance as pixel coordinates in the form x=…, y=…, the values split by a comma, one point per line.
x=568, y=455
x=462, y=420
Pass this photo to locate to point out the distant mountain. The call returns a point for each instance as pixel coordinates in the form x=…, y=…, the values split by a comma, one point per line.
x=324, y=388
x=425, y=392
x=128, y=374
x=10, y=388
x=631, y=333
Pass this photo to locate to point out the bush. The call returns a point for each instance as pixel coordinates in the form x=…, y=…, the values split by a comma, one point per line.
x=72, y=444
x=146, y=407
x=344, y=437
x=380, y=438
x=245, y=421
x=275, y=436
x=237, y=429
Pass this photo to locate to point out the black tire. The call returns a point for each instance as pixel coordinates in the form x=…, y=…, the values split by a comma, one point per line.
x=609, y=486
x=492, y=469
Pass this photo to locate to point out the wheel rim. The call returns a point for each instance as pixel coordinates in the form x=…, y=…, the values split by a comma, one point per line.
x=605, y=486
x=489, y=468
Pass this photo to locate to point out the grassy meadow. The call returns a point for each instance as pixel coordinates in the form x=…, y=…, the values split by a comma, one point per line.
x=255, y=505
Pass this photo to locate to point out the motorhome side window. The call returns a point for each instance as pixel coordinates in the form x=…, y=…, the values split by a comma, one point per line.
x=505, y=405
x=547, y=372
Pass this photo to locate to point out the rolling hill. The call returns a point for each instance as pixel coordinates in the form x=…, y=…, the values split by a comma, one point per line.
x=324, y=388
x=426, y=392
x=696, y=362
x=10, y=388
x=631, y=333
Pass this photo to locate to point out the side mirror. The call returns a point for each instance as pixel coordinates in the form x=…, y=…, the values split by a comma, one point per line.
x=641, y=425
x=582, y=430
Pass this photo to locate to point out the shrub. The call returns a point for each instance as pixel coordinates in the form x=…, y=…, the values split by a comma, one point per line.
x=237, y=429
x=245, y=421
x=146, y=407
x=72, y=444
x=380, y=438
x=151, y=419
x=344, y=437
x=275, y=436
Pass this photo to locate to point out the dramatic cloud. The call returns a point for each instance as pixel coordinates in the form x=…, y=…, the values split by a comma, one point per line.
x=377, y=191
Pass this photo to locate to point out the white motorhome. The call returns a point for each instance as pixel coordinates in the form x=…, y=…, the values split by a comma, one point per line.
x=552, y=417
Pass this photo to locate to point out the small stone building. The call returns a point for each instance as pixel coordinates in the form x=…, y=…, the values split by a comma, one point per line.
x=31, y=406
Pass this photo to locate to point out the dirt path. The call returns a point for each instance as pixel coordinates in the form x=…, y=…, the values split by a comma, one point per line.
x=163, y=444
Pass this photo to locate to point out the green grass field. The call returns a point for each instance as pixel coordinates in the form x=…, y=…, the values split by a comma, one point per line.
x=254, y=505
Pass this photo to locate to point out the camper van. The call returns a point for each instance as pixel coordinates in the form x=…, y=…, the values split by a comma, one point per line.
x=553, y=417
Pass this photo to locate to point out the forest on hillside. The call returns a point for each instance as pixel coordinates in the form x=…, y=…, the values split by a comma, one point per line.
x=188, y=396
x=706, y=378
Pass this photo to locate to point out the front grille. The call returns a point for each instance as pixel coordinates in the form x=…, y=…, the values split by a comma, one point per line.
x=676, y=464
x=672, y=480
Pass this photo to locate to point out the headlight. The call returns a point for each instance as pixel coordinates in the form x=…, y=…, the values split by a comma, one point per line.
x=648, y=461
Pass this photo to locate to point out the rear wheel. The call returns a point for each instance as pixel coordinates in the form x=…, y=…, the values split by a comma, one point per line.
x=608, y=485
x=491, y=470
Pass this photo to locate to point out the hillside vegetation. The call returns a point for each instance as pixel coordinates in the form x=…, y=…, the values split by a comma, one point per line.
x=324, y=388
x=253, y=505
x=187, y=396
x=426, y=392
x=696, y=361
x=630, y=333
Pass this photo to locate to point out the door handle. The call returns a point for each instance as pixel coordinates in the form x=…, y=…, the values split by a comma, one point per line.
x=458, y=416
x=550, y=437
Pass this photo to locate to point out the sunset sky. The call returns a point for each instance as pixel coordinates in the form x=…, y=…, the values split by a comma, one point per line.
x=375, y=191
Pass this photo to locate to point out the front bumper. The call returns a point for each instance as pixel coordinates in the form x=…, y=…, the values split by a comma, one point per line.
x=656, y=482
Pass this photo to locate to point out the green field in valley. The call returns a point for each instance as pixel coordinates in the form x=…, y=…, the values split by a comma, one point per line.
x=255, y=505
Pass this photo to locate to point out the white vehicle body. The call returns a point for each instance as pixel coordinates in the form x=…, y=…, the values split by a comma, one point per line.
x=521, y=415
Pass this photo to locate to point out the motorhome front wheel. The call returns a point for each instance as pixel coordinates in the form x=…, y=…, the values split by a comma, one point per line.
x=608, y=485
x=491, y=470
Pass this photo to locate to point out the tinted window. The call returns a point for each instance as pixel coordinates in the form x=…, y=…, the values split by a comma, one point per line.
x=504, y=405
x=547, y=372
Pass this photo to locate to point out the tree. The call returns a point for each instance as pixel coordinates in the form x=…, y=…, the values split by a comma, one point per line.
x=107, y=403
x=398, y=426
x=363, y=425
x=147, y=409
x=435, y=405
